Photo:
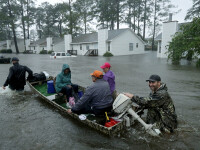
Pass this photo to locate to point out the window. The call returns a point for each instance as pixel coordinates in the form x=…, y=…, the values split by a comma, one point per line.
x=87, y=47
x=108, y=46
x=63, y=54
x=80, y=46
x=130, y=46
x=136, y=45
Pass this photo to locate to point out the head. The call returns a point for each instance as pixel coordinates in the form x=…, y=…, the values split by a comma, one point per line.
x=66, y=71
x=15, y=60
x=106, y=67
x=96, y=75
x=154, y=82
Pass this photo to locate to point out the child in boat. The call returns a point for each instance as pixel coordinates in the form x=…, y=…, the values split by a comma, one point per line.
x=64, y=84
x=109, y=76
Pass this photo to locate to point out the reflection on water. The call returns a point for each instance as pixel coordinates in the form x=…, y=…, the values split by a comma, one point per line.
x=27, y=122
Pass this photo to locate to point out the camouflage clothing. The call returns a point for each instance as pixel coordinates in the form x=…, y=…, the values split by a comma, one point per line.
x=161, y=110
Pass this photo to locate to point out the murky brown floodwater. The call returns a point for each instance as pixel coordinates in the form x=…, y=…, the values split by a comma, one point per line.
x=26, y=122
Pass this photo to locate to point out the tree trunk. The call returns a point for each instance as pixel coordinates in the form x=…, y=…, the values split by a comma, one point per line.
x=28, y=23
x=139, y=17
x=70, y=15
x=145, y=15
x=118, y=14
x=23, y=24
x=154, y=24
x=13, y=27
x=134, y=16
x=85, y=22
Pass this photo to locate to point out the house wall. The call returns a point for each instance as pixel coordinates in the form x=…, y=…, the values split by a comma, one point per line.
x=59, y=47
x=159, y=49
x=84, y=47
x=120, y=44
x=20, y=44
x=169, y=29
x=68, y=40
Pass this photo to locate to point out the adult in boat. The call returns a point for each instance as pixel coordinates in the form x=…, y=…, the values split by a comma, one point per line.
x=161, y=110
x=64, y=84
x=17, y=76
x=109, y=76
x=97, y=98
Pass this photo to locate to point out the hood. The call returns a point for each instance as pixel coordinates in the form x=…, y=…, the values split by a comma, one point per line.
x=163, y=87
x=110, y=74
x=66, y=66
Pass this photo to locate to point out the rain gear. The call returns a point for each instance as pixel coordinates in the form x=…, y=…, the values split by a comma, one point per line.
x=63, y=79
x=110, y=77
x=161, y=110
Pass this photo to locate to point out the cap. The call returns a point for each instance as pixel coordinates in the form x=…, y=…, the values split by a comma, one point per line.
x=106, y=65
x=154, y=77
x=97, y=73
x=15, y=59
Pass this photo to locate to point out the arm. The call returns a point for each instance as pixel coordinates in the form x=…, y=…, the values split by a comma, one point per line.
x=8, y=78
x=156, y=100
x=59, y=82
x=30, y=72
x=86, y=98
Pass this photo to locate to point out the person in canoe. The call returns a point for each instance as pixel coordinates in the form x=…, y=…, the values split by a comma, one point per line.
x=109, y=76
x=97, y=98
x=63, y=82
x=17, y=76
x=161, y=110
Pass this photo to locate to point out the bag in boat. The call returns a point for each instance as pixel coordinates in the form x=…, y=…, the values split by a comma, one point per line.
x=37, y=77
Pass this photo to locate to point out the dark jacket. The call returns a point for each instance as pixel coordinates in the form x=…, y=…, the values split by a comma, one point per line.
x=63, y=79
x=17, y=76
x=160, y=107
x=96, y=95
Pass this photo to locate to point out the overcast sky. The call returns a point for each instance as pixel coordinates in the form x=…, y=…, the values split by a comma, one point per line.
x=184, y=5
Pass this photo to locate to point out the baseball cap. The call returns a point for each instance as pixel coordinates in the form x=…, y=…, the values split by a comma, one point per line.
x=97, y=73
x=154, y=78
x=106, y=65
x=15, y=59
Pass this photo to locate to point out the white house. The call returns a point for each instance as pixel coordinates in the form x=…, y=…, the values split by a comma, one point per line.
x=118, y=42
x=169, y=28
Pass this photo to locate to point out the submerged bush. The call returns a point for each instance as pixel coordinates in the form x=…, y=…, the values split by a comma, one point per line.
x=107, y=54
x=49, y=52
x=43, y=52
x=6, y=51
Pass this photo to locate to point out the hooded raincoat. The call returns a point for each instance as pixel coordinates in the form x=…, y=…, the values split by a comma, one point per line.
x=63, y=79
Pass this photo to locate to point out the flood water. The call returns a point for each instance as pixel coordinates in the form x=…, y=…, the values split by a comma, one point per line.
x=26, y=122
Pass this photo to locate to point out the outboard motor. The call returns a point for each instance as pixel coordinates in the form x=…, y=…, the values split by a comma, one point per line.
x=123, y=105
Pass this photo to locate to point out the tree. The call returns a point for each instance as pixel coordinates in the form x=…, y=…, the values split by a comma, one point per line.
x=194, y=11
x=11, y=14
x=186, y=43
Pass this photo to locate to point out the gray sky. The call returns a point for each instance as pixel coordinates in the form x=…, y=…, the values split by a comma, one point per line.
x=184, y=5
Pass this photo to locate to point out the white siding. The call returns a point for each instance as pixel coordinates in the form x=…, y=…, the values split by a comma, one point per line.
x=59, y=47
x=120, y=44
x=169, y=29
x=84, y=47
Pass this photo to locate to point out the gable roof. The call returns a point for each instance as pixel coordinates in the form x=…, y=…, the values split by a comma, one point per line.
x=93, y=37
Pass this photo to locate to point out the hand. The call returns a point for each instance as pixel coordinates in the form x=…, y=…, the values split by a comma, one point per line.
x=4, y=87
x=69, y=86
x=128, y=95
x=69, y=111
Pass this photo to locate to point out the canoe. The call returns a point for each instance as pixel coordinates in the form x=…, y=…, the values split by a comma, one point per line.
x=40, y=88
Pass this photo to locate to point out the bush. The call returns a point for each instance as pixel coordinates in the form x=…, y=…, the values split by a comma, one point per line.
x=6, y=51
x=43, y=52
x=108, y=54
x=49, y=52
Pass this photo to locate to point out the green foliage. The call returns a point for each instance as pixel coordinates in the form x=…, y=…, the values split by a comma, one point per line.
x=194, y=11
x=107, y=54
x=6, y=51
x=186, y=44
x=49, y=52
x=43, y=52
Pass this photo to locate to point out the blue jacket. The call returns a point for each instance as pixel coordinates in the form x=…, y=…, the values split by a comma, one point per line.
x=63, y=79
x=96, y=95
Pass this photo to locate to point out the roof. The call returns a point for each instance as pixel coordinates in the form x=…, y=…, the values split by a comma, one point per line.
x=86, y=38
x=93, y=37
